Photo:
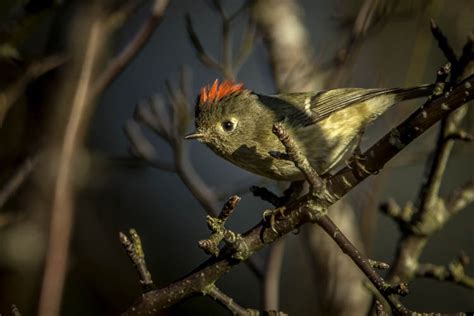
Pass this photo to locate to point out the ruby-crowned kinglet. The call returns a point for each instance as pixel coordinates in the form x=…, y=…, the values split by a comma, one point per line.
x=236, y=123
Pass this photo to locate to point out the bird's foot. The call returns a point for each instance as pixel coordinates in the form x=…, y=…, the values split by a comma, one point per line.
x=269, y=216
x=357, y=160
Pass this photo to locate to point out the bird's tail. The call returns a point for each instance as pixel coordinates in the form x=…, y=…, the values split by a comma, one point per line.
x=412, y=93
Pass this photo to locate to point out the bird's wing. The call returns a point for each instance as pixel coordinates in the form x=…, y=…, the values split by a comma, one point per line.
x=325, y=103
x=314, y=108
x=311, y=109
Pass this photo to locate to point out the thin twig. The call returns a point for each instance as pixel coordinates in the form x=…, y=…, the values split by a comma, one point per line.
x=228, y=65
x=228, y=302
x=454, y=272
x=379, y=311
x=142, y=148
x=16, y=89
x=301, y=162
x=118, y=64
x=136, y=254
x=120, y=15
x=460, y=198
x=18, y=178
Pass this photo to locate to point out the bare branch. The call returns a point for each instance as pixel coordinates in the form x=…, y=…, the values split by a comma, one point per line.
x=460, y=198
x=118, y=64
x=143, y=149
x=379, y=310
x=228, y=302
x=18, y=178
x=443, y=43
x=219, y=233
x=118, y=17
x=62, y=210
x=296, y=156
x=379, y=265
x=432, y=211
x=453, y=272
x=136, y=254
x=228, y=65
x=202, y=55
x=36, y=69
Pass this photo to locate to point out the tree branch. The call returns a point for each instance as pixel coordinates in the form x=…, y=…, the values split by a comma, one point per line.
x=62, y=209
x=18, y=178
x=120, y=62
x=271, y=279
x=453, y=272
x=136, y=254
x=228, y=302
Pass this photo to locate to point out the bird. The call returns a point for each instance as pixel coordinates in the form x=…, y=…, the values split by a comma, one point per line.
x=236, y=123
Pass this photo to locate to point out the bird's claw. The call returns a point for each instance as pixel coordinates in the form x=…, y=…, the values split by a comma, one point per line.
x=269, y=216
x=357, y=159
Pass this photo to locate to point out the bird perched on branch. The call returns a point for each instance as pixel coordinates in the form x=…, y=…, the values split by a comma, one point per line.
x=236, y=123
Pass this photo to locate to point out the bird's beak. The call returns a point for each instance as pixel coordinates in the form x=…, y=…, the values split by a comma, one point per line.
x=194, y=135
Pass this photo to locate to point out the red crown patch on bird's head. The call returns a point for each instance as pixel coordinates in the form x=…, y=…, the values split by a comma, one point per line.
x=219, y=90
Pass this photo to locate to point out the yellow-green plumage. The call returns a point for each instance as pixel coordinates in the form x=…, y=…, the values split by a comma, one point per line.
x=324, y=125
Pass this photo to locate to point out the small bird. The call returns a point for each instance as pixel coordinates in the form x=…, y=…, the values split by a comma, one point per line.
x=236, y=123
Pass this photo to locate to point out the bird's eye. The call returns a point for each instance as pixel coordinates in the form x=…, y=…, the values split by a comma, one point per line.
x=228, y=126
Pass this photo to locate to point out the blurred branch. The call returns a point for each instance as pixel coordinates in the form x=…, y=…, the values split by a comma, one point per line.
x=228, y=65
x=86, y=89
x=416, y=67
x=34, y=70
x=453, y=272
x=15, y=311
x=155, y=116
x=22, y=19
x=62, y=210
x=17, y=179
x=372, y=15
x=271, y=283
x=136, y=254
x=460, y=198
x=288, y=42
x=118, y=63
x=429, y=214
x=119, y=16
x=379, y=310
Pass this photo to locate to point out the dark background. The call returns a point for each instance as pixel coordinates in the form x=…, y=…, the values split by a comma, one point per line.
x=118, y=194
